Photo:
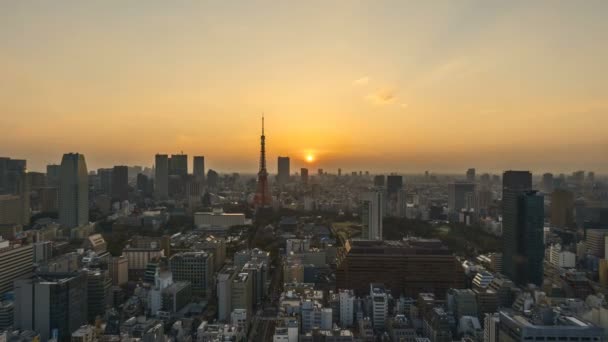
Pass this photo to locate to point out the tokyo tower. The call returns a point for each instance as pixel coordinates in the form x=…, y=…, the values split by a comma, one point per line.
x=263, y=198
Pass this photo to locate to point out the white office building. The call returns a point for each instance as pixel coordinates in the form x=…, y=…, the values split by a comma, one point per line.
x=483, y=279
x=224, y=292
x=347, y=307
x=372, y=207
x=562, y=258
x=379, y=299
x=490, y=331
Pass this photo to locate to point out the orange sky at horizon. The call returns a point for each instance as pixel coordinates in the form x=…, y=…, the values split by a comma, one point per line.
x=380, y=86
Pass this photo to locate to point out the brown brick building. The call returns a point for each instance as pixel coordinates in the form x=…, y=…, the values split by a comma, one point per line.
x=405, y=267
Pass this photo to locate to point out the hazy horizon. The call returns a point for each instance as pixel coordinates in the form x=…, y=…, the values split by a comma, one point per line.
x=384, y=87
x=314, y=166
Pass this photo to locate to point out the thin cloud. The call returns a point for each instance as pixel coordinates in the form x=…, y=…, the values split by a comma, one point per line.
x=361, y=82
x=382, y=96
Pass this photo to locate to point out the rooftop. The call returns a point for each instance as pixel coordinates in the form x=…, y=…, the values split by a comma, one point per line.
x=405, y=246
x=546, y=317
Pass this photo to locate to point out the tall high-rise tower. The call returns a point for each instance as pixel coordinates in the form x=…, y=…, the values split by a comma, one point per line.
x=161, y=178
x=283, y=174
x=73, y=191
x=178, y=164
x=198, y=168
x=522, y=226
x=120, y=183
x=263, y=198
x=372, y=212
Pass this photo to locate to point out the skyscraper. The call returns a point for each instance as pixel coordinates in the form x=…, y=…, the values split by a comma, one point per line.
x=161, y=177
x=73, y=191
x=523, y=218
x=548, y=183
x=144, y=184
x=460, y=195
x=516, y=181
x=15, y=181
x=11, y=172
x=36, y=180
x=591, y=177
x=394, y=184
x=263, y=198
x=53, y=172
x=11, y=210
x=120, y=183
x=471, y=175
x=513, y=184
x=371, y=215
x=178, y=164
x=562, y=209
x=105, y=181
x=51, y=302
x=283, y=170
x=213, y=179
x=304, y=175
x=198, y=168
x=379, y=181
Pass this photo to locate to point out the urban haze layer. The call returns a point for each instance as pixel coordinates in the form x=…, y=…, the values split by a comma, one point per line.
x=159, y=253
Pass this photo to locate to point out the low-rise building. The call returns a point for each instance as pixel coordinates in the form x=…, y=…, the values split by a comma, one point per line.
x=218, y=218
x=548, y=326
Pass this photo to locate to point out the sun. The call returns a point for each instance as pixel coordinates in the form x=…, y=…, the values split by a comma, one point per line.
x=310, y=158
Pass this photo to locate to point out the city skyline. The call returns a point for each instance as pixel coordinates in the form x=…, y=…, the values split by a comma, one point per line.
x=400, y=87
x=342, y=171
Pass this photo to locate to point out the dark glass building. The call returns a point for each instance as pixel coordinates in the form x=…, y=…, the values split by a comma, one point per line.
x=283, y=170
x=379, y=181
x=522, y=225
x=394, y=183
x=178, y=164
x=304, y=175
x=198, y=168
x=51, y=304
x=120, y=183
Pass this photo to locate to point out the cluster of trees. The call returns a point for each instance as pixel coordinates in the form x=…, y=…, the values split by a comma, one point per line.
x=461, y=239
x=117, y=236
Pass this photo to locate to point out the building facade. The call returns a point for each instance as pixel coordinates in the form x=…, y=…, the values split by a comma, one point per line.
x=161, y=176
x=372, y=213
x=283, y=170
x=405, y=267
x=196, y=268
x=73, y=191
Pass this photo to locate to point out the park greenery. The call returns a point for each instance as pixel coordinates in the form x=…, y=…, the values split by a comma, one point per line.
x=461, y=239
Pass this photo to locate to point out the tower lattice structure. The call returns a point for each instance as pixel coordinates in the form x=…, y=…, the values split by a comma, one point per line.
x=263, y=198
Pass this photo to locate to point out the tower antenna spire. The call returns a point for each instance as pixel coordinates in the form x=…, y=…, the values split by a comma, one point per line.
x=263, y=197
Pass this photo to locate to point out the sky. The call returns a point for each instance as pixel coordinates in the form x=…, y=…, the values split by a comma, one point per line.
x=402, y=86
